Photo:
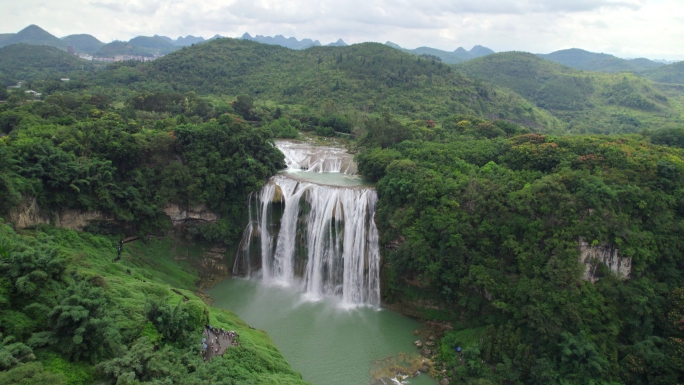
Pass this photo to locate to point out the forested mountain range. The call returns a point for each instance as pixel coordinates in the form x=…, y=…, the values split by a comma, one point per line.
x=599, y=62
x=458, y=56
x=587, y=101
x=32, y=34
x=368, y=76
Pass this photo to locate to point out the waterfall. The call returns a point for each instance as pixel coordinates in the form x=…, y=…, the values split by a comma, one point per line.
x=322, y=237
x=299, y=156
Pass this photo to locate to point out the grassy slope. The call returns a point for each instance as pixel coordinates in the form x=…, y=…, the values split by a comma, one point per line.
x=371, y=77
x=589, y=102
x=154, y=272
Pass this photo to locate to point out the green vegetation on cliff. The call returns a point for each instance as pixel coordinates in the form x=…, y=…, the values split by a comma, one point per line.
x=74, y=152
x=71, y=312
x=488, y=225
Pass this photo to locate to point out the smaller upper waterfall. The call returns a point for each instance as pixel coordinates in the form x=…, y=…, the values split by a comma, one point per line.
x=303, y=156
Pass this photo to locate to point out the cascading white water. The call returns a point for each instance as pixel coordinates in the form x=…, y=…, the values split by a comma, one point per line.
x=322, y=236
x=301, y=156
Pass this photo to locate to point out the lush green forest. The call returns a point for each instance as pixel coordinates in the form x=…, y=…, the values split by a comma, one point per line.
x=588, y=102
x=482, y=205
x=485, y=222
x=71, y=312
x=365, y=77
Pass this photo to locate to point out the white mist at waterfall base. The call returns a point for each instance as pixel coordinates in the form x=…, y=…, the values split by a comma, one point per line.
x=319, y=238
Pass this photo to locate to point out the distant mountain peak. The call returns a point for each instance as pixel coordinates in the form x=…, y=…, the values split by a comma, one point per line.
x=338, y=43
x=393, y=45
x=288, y=42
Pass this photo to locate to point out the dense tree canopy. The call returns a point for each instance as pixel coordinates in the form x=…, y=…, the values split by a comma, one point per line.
x=490, y=229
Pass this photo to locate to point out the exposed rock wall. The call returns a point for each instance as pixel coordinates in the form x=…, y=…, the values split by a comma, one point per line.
x=29, y=214
x=607, y=255
x=180, y=215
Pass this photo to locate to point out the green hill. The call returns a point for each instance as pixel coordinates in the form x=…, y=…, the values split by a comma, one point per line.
x=587, y=101
x=458, y=56
x=84, y=43
x=121, y=48
x=370, y=77
x=156, y=45
x=599, y=62
x=673, y=73
x=25, y=62
x=33, y=34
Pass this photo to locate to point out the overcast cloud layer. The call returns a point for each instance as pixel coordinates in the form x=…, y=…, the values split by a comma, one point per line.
x=625, y=28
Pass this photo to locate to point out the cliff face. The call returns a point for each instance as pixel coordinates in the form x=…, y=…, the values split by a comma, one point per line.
x=180, y=215
x=592, y=256
x=29, y=214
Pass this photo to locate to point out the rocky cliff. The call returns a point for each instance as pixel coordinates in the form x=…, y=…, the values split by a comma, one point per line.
x=29, y=214
x=593, y=256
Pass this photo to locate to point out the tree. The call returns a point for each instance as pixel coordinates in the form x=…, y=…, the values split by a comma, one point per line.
x=80, y=325
x=243, y=106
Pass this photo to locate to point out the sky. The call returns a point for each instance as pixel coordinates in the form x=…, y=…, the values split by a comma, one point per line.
x=625, y=28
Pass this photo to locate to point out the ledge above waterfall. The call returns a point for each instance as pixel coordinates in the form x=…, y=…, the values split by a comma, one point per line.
x=322, y=165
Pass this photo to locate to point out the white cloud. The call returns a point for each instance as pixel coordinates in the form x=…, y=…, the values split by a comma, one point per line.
x=628, y=28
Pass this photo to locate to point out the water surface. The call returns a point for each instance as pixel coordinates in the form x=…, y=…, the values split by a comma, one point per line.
x=328, y=343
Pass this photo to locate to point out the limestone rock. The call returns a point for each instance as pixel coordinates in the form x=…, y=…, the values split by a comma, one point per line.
x=425, y=352
x=418, y=344
x=445, y=381
x=179, y=215
x=425, y=368
x=605, y=254
x=77, y=220
x=28, y=214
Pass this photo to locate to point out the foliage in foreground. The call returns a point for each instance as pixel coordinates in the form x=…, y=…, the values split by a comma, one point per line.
x=72, y=316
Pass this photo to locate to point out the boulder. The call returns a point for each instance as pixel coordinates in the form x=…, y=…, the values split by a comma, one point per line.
x=445, y=381
x=418, y=344
x=426, y=352
x=425, y=368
